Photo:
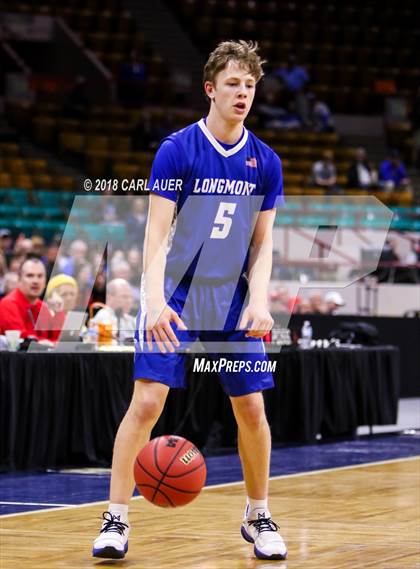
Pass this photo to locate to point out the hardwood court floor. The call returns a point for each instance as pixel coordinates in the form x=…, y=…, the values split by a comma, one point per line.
x=349, y=518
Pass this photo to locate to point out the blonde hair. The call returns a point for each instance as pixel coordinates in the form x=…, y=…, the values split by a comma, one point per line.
x=244, y=52
x=59, y=280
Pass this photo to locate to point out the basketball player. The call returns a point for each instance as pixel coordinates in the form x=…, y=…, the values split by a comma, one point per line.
x=216, y=152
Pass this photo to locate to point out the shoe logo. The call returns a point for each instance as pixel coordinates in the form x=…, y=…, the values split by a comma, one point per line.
x=251, y=162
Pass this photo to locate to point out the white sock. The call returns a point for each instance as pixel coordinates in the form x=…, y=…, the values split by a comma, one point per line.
x=256, y=505
x=119, y=509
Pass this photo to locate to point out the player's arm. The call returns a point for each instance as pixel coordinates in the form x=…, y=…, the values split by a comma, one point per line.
x=158, y=314
x=166, y=166
x=256, y=317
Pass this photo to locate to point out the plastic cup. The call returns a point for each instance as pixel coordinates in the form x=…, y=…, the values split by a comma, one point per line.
x=12, y=337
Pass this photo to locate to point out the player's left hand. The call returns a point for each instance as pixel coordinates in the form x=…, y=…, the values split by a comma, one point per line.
x=257, y=320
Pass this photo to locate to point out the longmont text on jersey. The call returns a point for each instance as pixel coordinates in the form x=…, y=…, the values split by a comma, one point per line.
x=223, y=186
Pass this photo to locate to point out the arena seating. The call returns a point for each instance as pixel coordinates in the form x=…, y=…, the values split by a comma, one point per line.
x=110, y=33
x=347, y=50
x=18, y=171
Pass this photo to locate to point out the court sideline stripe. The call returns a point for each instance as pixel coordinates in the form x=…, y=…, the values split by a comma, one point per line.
x=34, y=504
x=227, y=484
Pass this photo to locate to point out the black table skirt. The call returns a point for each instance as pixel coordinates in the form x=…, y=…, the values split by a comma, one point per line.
x=64, y=409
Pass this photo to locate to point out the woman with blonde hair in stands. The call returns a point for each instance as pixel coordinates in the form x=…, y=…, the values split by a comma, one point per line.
x=61, y=296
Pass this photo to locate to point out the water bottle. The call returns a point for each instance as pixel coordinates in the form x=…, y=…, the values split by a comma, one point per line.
x=91, y=335
x=306, y=335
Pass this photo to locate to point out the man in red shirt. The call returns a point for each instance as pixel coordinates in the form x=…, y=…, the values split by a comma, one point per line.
x=20, y=309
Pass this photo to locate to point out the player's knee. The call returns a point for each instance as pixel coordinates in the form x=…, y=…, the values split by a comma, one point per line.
x=251, y=414
x=147, y=410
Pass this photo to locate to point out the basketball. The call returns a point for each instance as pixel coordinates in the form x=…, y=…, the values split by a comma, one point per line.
x=170, y=471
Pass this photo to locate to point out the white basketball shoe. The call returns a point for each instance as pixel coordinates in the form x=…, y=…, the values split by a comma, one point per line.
x=258, y=528
x=112, y=541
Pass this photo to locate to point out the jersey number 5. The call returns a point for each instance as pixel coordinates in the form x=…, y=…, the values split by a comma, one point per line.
x=224, y=220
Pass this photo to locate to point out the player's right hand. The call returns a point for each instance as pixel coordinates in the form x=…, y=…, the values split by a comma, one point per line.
x=158, y=327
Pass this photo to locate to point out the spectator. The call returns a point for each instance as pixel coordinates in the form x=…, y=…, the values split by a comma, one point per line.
x=76, y=259
x=411, y=273
x=22, y=309
x=324, y=172
x=282, y=302
x=317, y=303
x=136, y=221
x=6, y=244
x=119, y=301
x=121, y=270
x=9, y=283
x=62, y=292
x=393, y=173
x=135, y=260
x=321, y=117
x=295, y=78
x=361, y=173
x=84, y=279
x=272, y=115
x=304, y=307
x=388, y=255
x=38, y=248
x=50, y=258
x=23, y=246
x=334, y=301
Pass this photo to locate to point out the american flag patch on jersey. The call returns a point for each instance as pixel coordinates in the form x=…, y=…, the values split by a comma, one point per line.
x=251, y=162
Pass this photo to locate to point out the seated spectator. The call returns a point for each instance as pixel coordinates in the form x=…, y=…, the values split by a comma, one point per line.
x=135, y=260
x=412, y=273
x=271, y=115
x=334, y=301
x=23, y=247
x=76, y=258
x=119, y=301
x=304, y=307
x=324, y=172
x=23, y=310
x=136, y=221
x=9, y=282
x=321, y=117
x=295, y=78
x=38, y=248
x=50, y=257
x=6, y=244
x=282, y=302
x=317, y=303
x=393, y=173
x=361, y=173
x=61, y=293
x=389, y=255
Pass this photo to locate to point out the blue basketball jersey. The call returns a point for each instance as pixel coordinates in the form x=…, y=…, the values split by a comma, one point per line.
x=218, y=189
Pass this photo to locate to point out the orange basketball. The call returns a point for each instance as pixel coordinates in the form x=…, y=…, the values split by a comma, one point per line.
x=170, y=471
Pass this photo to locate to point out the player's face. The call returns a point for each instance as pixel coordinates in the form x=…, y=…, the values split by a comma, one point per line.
x=232, y=92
